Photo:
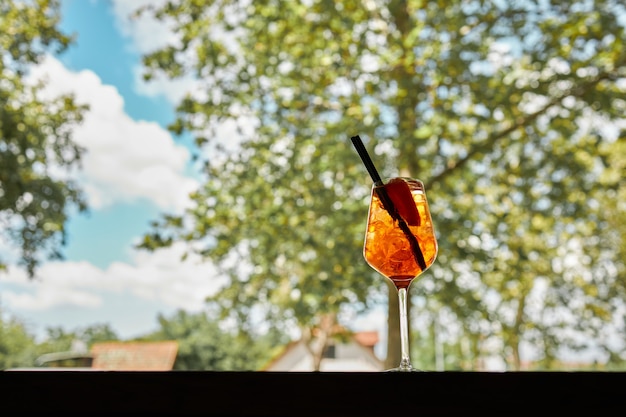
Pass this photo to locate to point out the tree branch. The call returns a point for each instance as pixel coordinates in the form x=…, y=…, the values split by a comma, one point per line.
x=489, y=143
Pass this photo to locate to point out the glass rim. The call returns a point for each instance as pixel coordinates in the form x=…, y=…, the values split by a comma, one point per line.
x=405, y=178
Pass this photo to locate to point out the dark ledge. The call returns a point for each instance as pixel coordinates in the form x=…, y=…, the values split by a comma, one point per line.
x=275, y=394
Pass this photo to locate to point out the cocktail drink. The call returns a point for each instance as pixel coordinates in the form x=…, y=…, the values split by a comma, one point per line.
x=400, y=246
x=400, y=241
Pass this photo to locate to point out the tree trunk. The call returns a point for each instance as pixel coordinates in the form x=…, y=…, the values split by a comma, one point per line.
x=316, y=339
x=393, y=328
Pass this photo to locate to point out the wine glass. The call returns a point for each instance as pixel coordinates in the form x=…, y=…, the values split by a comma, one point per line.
x=400, y=242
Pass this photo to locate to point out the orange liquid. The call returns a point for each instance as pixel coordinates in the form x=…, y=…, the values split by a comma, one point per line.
x=387, y=248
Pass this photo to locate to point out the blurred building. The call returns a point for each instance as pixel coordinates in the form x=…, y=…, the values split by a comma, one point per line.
x=355, y=354
x=134, y=356
x=115, y=356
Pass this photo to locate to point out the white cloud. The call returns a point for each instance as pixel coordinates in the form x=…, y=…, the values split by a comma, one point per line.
x=125, y=159
x=146, y=34
x=174, y=90
x=160, y=276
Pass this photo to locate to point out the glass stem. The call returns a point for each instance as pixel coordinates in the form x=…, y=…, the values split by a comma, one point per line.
x=405, y=362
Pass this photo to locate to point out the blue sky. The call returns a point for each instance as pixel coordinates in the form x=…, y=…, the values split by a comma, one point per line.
x=102, y=49
x=133, y=170
x=103, y=279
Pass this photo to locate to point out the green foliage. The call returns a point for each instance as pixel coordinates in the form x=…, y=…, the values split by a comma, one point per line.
x=501, y=108
x=17, y=346
x=35, y=136
x=203, y=345
x=61, y=340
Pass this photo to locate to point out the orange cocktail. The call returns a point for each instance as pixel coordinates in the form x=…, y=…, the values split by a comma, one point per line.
x=401, y=244
x=400, y=241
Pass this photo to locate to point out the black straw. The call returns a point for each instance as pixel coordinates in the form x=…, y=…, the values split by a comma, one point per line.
x=360, y=148
x=387, y=202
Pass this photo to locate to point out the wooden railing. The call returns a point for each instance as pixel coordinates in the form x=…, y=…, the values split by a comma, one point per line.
x=230, y=394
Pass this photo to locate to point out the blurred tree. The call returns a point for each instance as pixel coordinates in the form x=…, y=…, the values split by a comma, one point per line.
x=58, y=340
x=505, y=110
x=63, y=348
x=101, y=332
x=35, y=136
x=203, y=345
x=17, y=345
x=61, y=340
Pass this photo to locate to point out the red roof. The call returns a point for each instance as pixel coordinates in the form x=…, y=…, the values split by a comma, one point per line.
x=134, y=356
x=368, y=339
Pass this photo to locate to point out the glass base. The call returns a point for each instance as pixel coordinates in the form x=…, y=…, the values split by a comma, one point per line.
x=402, y=369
